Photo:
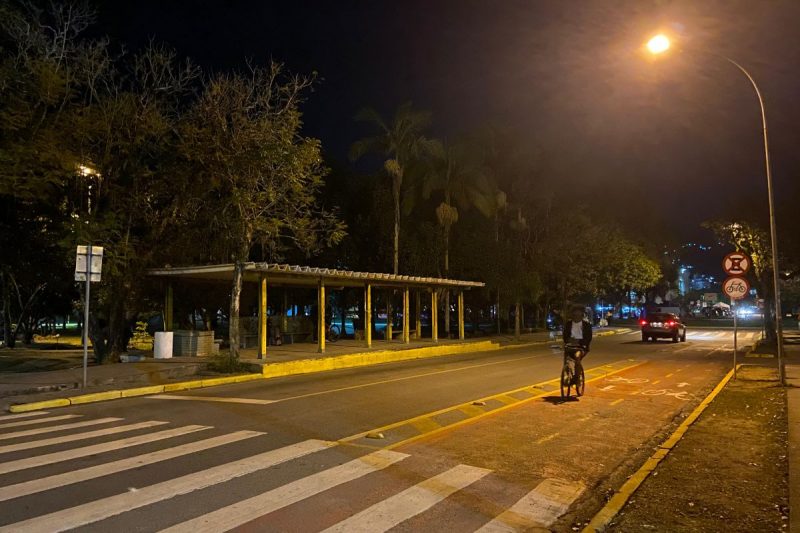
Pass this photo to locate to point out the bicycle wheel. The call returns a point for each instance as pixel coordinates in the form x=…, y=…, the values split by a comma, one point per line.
x=334, y=333
x=580, y=382
x=566, y=381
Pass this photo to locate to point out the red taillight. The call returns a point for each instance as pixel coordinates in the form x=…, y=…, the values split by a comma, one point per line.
x=643, y=322
x=671, y=323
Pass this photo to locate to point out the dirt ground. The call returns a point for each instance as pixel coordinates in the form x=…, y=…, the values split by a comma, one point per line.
x=728, y=473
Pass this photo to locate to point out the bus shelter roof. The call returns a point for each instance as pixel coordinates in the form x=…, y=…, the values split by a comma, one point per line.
x=296, y=275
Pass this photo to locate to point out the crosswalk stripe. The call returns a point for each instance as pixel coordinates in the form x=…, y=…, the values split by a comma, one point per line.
x=74, y=453
x=38, y=421
x=721, y=334
x=62, y=427
x=244, y=511
x=388, y=513
x=76, y=476
x=24, y=415
x=77, y=436
x=537, y=509
x=94, y=511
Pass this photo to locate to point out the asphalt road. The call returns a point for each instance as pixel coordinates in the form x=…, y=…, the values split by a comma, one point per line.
x=462, y=443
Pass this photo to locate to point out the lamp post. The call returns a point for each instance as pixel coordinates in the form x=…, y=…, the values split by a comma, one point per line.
x=660, y=44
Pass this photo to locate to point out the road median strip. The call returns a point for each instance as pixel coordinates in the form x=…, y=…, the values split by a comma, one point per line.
x=603, y=517
x=410, y=430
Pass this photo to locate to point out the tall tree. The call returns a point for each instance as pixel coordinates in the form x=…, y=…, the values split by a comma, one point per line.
x=455, y=171
x=399, y=142
x=242, y=140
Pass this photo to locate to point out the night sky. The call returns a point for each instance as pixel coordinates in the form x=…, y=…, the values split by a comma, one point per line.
x=667, y=143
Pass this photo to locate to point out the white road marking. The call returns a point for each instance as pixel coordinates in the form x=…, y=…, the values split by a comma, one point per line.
x=538, y=509
x=607, y=388
x=38, y=421
x=388, y=513
x=682, y=384
x=24, y=415
x=77, y=436
x=74, y=453
x=96, y=510
x=76, y=476
x=62, y=427
x=244, y=511
x=210, y=399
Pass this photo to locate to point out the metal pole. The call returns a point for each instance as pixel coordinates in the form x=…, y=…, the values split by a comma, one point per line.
x=773, y=232
x=86, y=315
x=735, y=338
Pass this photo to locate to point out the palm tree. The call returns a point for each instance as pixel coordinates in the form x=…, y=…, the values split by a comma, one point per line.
x=400, y=143
x=456, y=172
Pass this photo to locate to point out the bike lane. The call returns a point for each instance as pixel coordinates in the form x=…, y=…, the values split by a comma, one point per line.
x=553, y=463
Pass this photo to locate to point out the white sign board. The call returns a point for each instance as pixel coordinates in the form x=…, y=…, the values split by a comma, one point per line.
x=710, y=297
x=81, y=260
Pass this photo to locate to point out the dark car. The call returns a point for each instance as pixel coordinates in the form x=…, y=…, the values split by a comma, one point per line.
x=663, y=326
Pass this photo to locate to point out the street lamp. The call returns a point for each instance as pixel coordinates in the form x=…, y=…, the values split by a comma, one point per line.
x=661, y=43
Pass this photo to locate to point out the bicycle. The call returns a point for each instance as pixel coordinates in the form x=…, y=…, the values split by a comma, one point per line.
x=572, y=375
x=333, y=333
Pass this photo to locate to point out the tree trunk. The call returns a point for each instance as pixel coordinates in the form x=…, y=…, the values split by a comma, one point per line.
x=497, y=312
x=516, y=320
x=396, y=198
x=446, y=275
x=233, y=319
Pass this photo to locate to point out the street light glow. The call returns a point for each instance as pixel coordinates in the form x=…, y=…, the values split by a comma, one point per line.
x=658, y=44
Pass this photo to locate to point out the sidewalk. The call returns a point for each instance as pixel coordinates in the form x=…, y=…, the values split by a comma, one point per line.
x=730, y=470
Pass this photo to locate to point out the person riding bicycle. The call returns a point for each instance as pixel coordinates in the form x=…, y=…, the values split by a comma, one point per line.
x=578, y=331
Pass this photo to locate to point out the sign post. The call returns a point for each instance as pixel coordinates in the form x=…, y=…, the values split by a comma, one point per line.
x=88, y=265
x=735, y=264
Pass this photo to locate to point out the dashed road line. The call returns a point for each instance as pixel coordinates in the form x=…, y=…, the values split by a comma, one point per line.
x=547, y=438
x=617, y=402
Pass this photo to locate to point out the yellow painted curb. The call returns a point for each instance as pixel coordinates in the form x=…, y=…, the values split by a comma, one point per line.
x=183, y=385
x=307, y=366
x=35, y=406
x=620, y=498
x=142, y=391
x=130, y=393
x=95, y=397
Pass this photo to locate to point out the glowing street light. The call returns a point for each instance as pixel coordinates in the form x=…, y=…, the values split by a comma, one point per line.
x=659, y=44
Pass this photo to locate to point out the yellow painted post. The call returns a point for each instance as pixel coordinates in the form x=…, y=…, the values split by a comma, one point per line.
x=368, y=314
x=263, y=334
x=168, y=308
x=434, y=315
x=321, y=317
x=406, y=332
x=388, y=330
x=461, y=315
x=418, y=315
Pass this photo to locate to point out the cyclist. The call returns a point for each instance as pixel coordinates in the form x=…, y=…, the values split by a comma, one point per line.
x=577, y=333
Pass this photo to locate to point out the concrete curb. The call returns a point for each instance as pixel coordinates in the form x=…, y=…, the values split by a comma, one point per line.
x=620, y=498
x=129, y=393
x=308, y=366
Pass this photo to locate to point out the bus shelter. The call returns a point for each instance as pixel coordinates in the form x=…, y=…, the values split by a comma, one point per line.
x=259, y=278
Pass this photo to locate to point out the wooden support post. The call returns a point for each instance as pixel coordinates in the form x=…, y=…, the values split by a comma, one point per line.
x=168, y=308
x=418, y=315
x=434, y=315
x=263, y=333
x=368, y=314
x=406, y=321
x=321, y=329
x=461, y=315
x=388, y=331
x=517, y=308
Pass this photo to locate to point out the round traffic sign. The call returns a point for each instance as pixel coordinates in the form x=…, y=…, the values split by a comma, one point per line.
x=736, y=263
x=735, y=287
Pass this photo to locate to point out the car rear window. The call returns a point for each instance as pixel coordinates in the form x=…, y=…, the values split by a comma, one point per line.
x=660, y=317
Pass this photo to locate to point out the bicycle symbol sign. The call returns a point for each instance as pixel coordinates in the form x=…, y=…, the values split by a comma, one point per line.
x=736, y=263
x=735, y=287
